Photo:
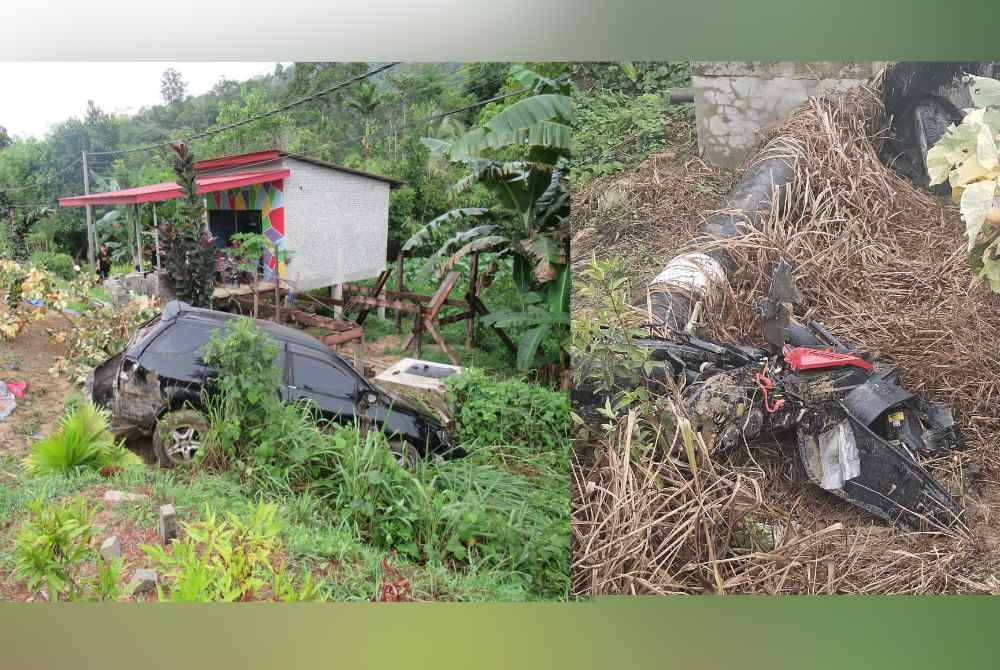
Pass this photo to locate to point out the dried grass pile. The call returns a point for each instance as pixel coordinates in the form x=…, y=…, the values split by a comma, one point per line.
x=883, y=265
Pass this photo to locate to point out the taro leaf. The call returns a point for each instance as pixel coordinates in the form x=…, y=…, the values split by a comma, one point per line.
x=424, y=234
x=985, y=91
x=986, y=148
x=968, y=171
x=528, y=346
x=955, y=147
x=976, y=202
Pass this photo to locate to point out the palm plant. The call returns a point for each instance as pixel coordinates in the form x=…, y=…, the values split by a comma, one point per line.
x=84, y=441
x=521, y=156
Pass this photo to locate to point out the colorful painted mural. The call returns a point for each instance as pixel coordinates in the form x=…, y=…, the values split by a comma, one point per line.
x=269, y=199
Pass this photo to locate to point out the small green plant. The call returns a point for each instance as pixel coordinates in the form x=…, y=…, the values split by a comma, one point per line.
x=229, y=558
x=83, y=442
x=507, y=411
x=52, y=548
x=60, y=264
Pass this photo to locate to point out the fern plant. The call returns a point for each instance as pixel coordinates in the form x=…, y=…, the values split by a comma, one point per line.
x=84, y=441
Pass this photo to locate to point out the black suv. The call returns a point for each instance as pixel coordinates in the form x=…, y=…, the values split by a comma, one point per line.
x=154, y=387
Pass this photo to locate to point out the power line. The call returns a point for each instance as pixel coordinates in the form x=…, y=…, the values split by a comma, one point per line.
x=430, y=118
x=453, y=76
x=258, y=117
x=45, y=181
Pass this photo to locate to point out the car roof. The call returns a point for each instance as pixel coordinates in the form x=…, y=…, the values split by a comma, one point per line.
x=176, y=310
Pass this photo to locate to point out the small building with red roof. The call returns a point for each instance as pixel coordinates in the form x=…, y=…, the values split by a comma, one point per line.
x=332, y=221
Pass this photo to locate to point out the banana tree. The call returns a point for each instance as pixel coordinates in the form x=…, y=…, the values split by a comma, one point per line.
x=520, y=155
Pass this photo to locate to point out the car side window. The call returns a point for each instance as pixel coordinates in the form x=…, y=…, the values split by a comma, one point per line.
x=319, y=376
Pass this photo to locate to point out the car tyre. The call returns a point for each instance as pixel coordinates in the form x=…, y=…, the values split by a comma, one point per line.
x=405, y=454
x=178, y=437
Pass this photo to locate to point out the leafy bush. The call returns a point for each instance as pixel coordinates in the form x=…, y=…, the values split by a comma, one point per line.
x=967, y=158
x=228, y=559
x=83, y=442
x=614, y=129
x=60, y=264
x=52, y=549
x=471, y=511
x=634, y=78
x=508, y=411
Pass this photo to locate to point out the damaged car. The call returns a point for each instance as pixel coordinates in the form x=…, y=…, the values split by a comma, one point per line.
x=157, y=387
x=857, y=431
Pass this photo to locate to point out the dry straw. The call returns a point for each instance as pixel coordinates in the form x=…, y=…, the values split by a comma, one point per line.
x=883, y=264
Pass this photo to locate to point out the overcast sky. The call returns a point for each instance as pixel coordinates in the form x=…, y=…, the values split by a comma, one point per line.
x=48, y=93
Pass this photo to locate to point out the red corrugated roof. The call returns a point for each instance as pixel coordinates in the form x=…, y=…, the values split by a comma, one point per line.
x=169, y=190
x=237, y=160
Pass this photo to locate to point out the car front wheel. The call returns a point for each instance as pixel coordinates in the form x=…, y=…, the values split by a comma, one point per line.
x=178, y=437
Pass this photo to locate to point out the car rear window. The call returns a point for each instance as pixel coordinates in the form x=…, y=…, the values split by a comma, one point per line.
x=181, y=338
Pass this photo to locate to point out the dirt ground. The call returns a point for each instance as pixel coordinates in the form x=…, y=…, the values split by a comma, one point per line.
x=28, y=358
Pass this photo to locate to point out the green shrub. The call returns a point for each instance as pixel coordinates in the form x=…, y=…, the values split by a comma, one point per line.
x=83, y=441
x=506, y=513
x=507, y=412
x=52, y=548
x=228, y=559
x=613, y=130
x=57, y=263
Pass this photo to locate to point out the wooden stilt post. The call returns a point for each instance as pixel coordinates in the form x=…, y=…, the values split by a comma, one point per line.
x=470, y=325
x=337, y=292
x=156, y=239
x=399, y=289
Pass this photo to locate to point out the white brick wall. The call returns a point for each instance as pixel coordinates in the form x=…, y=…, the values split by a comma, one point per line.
x=336, y=225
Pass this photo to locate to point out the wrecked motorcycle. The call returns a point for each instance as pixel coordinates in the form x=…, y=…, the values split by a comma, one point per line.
x=858, y=432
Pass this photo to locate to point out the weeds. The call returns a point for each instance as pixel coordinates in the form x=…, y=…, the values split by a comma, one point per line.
x=52, y=548
x=229, y=559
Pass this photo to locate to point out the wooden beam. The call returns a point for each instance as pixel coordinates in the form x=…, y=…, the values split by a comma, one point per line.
x=375, y=293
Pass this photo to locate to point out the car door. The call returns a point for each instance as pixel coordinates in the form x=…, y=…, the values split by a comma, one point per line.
x=316, y=378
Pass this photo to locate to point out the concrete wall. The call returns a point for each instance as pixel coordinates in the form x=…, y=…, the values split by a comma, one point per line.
x=734, y=100
x=336, y=225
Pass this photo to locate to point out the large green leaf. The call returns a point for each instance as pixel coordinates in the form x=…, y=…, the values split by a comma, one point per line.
x=526, y=318
x=985, y=91
x=526, y=113
x=528, y=345
x=958, y=144
x=977, y=200
x=559, y=291
x=488, y=243
x=425, y=233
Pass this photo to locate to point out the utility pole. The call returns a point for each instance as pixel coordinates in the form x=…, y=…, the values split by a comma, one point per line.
x=91, y=236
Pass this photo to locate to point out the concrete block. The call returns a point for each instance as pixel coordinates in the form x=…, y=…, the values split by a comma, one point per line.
x=168, y=523
x=113, y=497
x=144, y=580
x=111, y=549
